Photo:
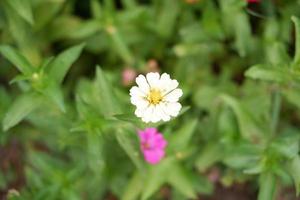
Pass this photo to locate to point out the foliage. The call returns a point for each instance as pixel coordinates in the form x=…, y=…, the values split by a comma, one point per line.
x=63, y=102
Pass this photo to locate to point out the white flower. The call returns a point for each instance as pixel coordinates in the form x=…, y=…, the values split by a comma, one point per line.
x=156, y=97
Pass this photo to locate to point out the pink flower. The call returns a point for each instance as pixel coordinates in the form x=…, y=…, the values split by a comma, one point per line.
x=152, y=144
x=128, y=76
x=253, y=1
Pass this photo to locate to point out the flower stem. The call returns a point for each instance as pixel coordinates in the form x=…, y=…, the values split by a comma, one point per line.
x=276, y=105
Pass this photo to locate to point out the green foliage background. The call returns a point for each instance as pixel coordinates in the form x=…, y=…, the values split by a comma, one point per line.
x=70, y=133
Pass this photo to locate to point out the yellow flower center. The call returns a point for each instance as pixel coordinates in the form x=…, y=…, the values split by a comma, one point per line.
x=155, y=96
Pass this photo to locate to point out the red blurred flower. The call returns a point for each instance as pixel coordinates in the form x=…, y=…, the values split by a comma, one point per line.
x=253, y=1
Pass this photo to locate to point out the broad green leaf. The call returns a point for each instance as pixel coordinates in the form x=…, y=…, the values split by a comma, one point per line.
x=242, y=33
x=129, y=118
x=86, y=29
x=96, y=9
x=242, y=156
x=23, y=8
x=126, y=140
x=134, y=187
x=297, y=50
x=268, y=74
x=19, y=78
x=120, y=44
x=228, y=126
x=156, y=177
x=20, y=108
x=181, y=138
x=181, y=180
x=276, y=54
x=248, y=126
x=292, y=96
x=53, y=91
x=95, y=150
x=62, y=63
x=267, y=186
x=106, y=95
x=209, y=156
x=167, y=17
x=287, y=146
x=17, y=59
x=293, y=169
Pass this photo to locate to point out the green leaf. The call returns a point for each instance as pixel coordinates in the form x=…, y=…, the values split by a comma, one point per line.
x=120, y=44
x=133, y=187
x=167, y=17
x=129, y=118
x=95, y=150
x=243, y=33
x=96, y=9
x=268, y=74
x=249, y=128
x=106, y=95
x=53, y=91
x=181, y=180
x=62, y=63
x=267, y=186
x=181, y=138
x=297, y=50
x=242, y=156
x=20, y=108
x=287, y=146
x=293, y=168
x=156, y=177
x=17, y=59
x=209, y=155
x=23, y=8
x=126, y=140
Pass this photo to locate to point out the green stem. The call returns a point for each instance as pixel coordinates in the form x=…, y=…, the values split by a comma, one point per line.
x=276, y=105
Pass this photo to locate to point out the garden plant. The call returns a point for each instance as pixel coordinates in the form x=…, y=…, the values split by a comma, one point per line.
x=149, y=99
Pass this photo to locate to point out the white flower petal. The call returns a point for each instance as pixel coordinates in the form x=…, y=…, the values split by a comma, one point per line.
x=174, y=95
x=148, y=114
x=153, y=79
x=139, y=102
x=161, y=113
x=135, y=91
x=142, y=83
x=172, y=109
x=139, y=112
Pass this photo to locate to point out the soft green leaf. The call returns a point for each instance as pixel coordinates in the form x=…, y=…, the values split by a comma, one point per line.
x=248, y=126
x=287, y=146
x=167, y=17
x=109, y=103
x=297, y=50
x=267, y=186
x=23, y=8
x=134, y=187
x=62, y=63
x=181, y=180
x=243, y=33
x=293, y=167
x=128, y=142
x=242, y=156
x=209, y=156
x=53, y=91
x=156, y=177
x=268, y=74
x=17, y=59
x=181, y=138
x=95, y=150
x=20, y=108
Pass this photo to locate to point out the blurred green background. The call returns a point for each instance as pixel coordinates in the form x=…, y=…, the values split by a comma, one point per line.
x=69, y=130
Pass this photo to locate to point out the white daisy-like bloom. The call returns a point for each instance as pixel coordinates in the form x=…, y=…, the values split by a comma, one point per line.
x=156, y=97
